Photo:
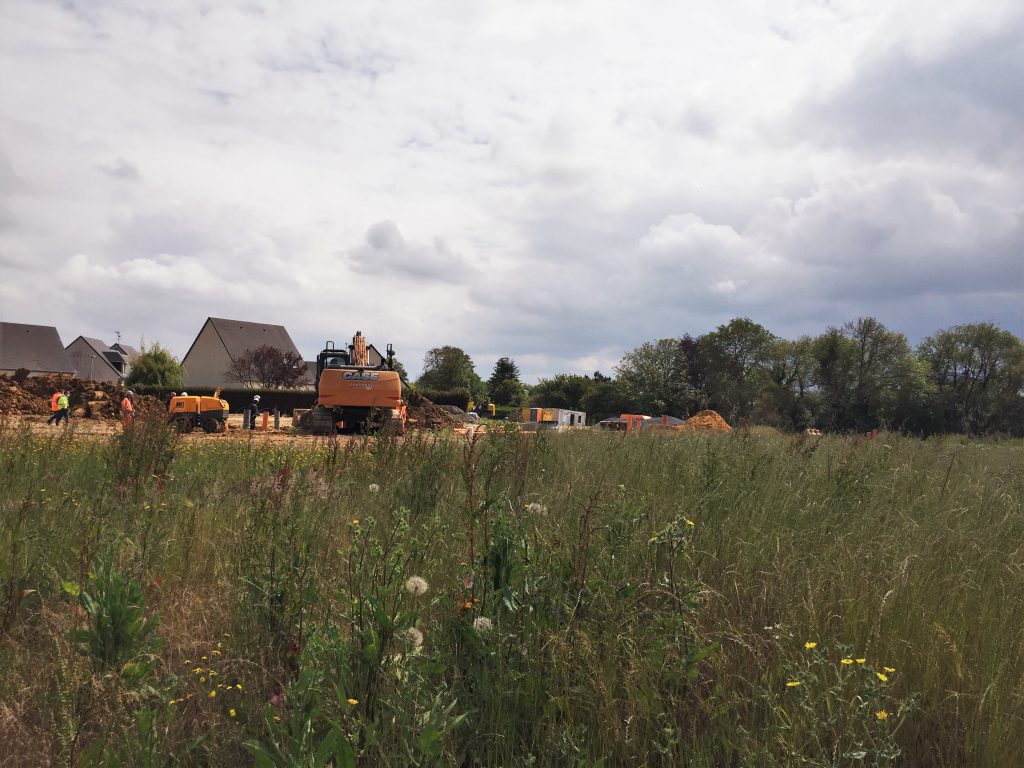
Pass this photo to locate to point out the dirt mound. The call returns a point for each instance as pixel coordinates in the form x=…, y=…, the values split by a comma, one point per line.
x=88, y=399
x=705, y=421
x=424, y=414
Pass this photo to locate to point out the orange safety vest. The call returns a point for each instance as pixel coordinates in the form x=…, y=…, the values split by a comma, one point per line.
x=53, y=401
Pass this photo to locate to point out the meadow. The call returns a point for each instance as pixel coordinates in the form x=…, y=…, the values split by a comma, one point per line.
x=587, y=599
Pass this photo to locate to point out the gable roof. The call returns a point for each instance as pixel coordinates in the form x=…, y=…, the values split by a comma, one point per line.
x=35, y=347
x=102, y=352
x=241, y=335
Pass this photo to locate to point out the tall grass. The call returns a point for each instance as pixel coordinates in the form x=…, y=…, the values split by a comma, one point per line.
x=592, y=599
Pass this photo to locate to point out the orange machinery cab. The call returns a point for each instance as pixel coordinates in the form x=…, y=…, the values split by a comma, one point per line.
x=633, y=421
x=360, y=398
x=191, y=411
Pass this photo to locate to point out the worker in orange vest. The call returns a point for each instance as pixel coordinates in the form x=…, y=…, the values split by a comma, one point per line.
x=128, y=408
x=54, y=408
x=60, y=400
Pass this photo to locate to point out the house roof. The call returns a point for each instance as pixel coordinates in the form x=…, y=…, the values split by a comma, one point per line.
x=103, y=353
x=35, y=347
x=238, y=336
x=129, y=352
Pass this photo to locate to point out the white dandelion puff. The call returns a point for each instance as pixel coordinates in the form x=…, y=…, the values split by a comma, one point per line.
x=416, y=585
x=536, y=509
x=413, y=637
x=482, y=624
x=374, y=488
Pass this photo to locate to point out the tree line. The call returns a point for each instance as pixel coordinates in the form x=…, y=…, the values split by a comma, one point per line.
x=860, y=376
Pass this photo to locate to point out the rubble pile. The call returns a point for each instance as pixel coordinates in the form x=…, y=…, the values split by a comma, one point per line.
x=424, y=414
x=88, y=399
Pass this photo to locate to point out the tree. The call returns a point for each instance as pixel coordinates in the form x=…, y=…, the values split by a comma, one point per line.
x=653, y=376
x=563, y=390
x=504, y=386
x=977, y=371
x=156, y=367
x=734, y=360
x=268, y=367
x=449, y=368
x=866, y=377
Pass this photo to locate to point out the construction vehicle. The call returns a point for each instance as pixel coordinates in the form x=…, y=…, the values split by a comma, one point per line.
x=186, y=412
x=353, y=396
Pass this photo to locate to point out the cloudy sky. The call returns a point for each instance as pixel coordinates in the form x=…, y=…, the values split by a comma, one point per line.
x=554, y=181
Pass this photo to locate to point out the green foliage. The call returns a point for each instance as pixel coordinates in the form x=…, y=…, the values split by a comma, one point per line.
x=117, y=629
x=459, y=397
x=504, y=386
x=654, y=378
x=156, y=367
x=589, y=599
x=977, y=371
x=450, y=368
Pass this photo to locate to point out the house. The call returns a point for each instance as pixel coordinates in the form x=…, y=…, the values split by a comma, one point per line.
x=222, y=341
x=95, y=360
x=36, y=348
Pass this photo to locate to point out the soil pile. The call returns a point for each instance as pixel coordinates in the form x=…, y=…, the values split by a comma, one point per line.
x=88, y=399
x=705, y=421
x=424, y=414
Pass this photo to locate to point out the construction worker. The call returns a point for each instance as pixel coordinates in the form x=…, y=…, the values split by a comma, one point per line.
x=254, y=410
x=128, y=408
x=63, y=407
x=54, y=407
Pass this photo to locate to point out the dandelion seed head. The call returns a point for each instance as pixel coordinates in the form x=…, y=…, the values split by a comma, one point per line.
x=413, y=637
x=534, y=508
x=416, y=585
x=482, y=624
x=374, y=488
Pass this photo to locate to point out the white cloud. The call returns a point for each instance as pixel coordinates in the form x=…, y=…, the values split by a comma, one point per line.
x=553, y=182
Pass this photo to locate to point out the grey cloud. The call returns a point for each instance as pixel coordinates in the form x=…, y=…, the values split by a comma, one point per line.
x=150, y=234
x=121, y=169
x=967, y=101
x=386, y=252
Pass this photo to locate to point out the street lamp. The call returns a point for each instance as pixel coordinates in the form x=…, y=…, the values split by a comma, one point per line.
x=90, y=367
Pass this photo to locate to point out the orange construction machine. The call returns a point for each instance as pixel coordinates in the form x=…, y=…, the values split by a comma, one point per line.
x=352, y=395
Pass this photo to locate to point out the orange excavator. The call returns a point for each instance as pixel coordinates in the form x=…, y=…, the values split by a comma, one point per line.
x=352, y=395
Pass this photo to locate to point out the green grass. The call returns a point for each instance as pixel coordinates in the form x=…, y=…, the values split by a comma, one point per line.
x=650, y=597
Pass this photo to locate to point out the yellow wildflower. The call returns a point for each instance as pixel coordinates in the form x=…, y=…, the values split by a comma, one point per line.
x=216, y=653
x=846, y=661
x=881, y=714
x=792, y=683
x=810, y=645
x=861, y=661
x=202, y=679
x=238, y=686
x=353, y=702
x=889, y=669
x=231, y=712
x=690, y=522
x=213, y=694
x=884, y=678
x=355, y=521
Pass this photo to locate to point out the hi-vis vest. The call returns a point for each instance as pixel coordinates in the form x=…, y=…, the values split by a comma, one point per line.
x=53, y=401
